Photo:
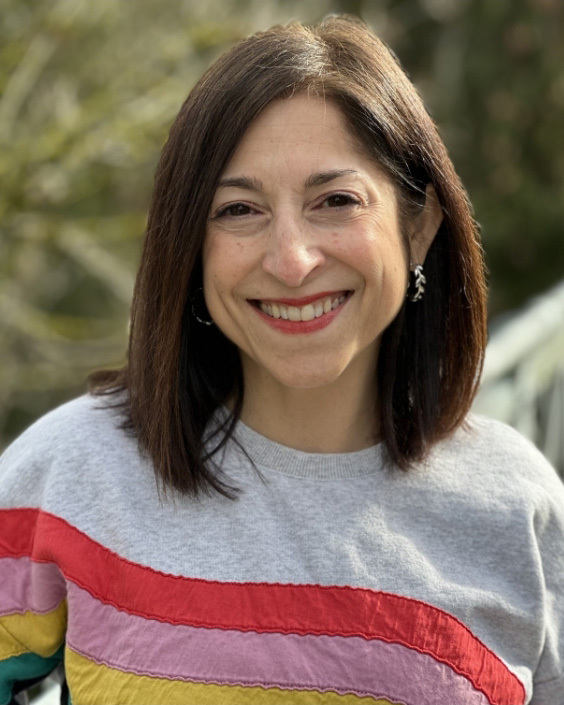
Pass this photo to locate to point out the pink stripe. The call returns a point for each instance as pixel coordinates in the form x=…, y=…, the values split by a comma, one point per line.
x=26, y=585
x=345, y=664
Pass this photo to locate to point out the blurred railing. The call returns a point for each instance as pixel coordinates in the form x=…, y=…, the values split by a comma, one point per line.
x=523, y=379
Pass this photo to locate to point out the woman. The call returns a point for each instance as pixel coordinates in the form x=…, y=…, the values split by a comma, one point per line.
x=327, y=524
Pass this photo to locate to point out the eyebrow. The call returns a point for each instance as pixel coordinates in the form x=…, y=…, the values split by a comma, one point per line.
x=250, y=184
x=243, y=182
x=324, y=177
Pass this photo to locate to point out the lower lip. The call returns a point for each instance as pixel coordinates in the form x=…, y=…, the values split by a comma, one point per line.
x=296, y=327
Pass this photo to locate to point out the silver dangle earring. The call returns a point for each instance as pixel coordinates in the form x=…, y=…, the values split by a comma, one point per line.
x=417, y=281
x=197, y=302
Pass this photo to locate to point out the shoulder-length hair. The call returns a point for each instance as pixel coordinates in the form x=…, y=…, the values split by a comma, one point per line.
x=180, y=371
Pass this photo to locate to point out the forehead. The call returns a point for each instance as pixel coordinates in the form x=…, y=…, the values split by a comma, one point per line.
x=296, y=130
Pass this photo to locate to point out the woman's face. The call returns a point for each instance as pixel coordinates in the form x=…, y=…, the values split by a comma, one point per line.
x=304, y=261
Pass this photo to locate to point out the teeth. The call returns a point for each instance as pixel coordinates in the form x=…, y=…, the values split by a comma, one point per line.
x=308, y=313
x=294, y=314
x=305, y=313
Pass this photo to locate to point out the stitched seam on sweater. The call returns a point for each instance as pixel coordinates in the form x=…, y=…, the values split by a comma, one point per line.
x=434, y=610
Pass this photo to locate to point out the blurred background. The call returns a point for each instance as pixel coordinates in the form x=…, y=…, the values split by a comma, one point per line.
x=89, y=88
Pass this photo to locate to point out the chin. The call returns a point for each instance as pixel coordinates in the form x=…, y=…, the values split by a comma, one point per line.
x=299, y=377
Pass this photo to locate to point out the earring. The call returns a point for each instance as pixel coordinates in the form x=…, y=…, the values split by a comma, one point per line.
x=201, y=305
x=417, y=281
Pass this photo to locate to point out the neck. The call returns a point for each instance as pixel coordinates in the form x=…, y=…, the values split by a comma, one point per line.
x=338, y=418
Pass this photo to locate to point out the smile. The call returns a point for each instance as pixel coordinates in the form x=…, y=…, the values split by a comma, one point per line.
x=315, y=309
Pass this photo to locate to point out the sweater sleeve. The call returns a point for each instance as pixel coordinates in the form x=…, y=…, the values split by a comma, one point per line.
x=548, y=684
x=33, y=607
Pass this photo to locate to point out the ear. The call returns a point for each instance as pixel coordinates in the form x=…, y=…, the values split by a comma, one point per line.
x=425, y=226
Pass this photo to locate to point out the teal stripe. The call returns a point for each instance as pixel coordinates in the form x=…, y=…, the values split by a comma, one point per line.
x=25, y=667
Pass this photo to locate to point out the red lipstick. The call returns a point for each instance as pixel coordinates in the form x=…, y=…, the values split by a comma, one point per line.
x=295, y=327
x=305, y=300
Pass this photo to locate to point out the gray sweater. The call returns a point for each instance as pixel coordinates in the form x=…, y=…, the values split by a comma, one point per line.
x=331, y=577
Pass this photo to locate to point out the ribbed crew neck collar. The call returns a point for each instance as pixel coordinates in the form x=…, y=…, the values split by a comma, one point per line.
x=269, y=455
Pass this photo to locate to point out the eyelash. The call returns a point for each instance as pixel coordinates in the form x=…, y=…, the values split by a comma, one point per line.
x=224, y=211
x=351, y=200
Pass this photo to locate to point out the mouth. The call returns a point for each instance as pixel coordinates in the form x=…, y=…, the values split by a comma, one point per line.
x=314, y=308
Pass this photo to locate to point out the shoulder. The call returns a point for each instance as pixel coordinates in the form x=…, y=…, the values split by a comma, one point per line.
x=490, y=458
x=60, y=444
x=71, y=425
x=496, y=447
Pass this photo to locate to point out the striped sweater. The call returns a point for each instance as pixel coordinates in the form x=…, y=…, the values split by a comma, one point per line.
x=331, y=579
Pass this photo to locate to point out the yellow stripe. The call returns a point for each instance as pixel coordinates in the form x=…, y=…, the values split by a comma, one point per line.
x=91, y=683
x=40, y=634
x=9, y=646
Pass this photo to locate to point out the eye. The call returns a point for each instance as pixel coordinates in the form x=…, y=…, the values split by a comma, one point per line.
x=234, y=210
x=340, y=200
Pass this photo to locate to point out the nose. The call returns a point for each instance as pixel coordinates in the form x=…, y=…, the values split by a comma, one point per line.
x=292, y=253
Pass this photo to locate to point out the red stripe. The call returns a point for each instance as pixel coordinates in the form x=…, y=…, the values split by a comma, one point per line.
x=17, y=528
x=265, y=607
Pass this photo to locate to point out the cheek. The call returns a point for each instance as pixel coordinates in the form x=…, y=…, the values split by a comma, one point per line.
x=226, y=264
x=217, y=259
x=215, y=273
x=383, y=263
x=395, y=275
x=378, y=258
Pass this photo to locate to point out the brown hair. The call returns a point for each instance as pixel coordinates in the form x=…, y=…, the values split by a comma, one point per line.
x=180, y=371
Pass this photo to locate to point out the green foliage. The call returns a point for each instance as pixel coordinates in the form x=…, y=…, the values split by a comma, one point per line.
x=88, y=89
x=493, y=73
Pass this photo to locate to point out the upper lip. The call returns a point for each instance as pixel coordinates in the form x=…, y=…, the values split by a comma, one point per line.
x=304, y=300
